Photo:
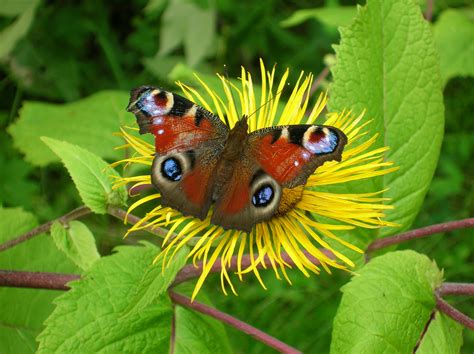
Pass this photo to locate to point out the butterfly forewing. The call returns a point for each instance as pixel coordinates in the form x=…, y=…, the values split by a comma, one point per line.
x=188, y=143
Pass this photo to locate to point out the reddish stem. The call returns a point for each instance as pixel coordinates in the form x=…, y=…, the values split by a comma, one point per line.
x=317, y=82
x=36, y=280
x=190, y=271
x=420, y=233
x=429, y=10
x=452, y=312
x=133, y=219
x=456, y=289
x=232, y=321
x=72, y=215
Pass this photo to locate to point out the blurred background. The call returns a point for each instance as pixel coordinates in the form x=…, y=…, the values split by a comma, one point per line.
x=57, y=52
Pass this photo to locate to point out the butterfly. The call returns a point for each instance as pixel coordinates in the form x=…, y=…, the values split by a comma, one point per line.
x=246, y=178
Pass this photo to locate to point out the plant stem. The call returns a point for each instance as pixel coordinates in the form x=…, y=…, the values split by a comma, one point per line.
x=72, y=215
x=57, y=281
x=190, y=271
x=452, y=312
x=232, y=321
x=36, y=280
x=429, y=10
x=317, y=82
x=456, y=289
x=420, y=233
x=133, y=219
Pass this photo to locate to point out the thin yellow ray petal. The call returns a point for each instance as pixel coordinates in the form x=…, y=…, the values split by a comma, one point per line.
x=207, y=267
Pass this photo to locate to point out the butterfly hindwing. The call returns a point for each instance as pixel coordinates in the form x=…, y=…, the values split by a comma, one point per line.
x=290, y=154
x=188, y=142
x=274, y=162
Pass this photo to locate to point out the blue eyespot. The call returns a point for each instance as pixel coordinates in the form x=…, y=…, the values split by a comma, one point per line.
x=263, y=196
x=171, y=169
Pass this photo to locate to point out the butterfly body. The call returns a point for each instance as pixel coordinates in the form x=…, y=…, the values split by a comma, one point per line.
x=246, y=177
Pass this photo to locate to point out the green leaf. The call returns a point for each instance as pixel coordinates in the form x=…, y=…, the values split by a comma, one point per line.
x=198, y=333
x=155, y=282
x=330, y=16
x=186, y=23
x=24, y=310
x=387, y=65
x=444, y=336
x=454, y=36
x=200, y=36
x=89, y=122
x=91, y=175
x=87, y=318
x=386, y=306
x=18, y=29
x=77, y=242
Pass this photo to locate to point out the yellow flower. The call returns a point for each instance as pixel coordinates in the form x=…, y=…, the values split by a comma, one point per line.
x=297, y=233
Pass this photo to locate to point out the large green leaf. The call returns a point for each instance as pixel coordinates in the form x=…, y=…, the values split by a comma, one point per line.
x=89, y=122
x=387, y=65
x=18, y=29
x=155, y=282
x=386, y=306
x=76, y=241
x=91, y=175
x=88, y=317
x=454, y=36
x=444, y=336
x=198, y=333
x=187, y=23
x=23, y=311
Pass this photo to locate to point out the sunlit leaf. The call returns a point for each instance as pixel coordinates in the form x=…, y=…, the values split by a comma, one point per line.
x=24, y=310
x=91, y=175
x=387, y=65
x=89, y=122
x=88, y=317
x=454, y=36
x=76, y=241
x=386, y=306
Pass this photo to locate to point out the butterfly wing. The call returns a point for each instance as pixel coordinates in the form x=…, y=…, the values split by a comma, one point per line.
x=188, y=143
x=274, y=163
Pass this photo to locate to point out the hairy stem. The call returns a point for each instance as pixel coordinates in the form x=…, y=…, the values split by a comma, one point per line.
x=456, y=289
x=232, y=321
x=133, y=219
x=319, y=79
x=454, y=313
x=190, y=271
x=72, y=215
x=420, y=233
x=429, y=10
x=36, y=280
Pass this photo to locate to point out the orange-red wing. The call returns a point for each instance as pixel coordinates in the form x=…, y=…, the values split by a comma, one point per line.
x=177, y=123
x=290, y=154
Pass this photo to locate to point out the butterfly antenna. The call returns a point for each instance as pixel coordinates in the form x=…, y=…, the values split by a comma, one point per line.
x=265, y=103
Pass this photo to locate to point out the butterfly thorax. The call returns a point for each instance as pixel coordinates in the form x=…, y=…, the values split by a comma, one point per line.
x=232, y=153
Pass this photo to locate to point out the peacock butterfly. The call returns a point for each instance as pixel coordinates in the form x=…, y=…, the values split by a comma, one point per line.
x=249, y=177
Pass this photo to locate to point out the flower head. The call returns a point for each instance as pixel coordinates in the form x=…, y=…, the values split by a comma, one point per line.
x=290, y=237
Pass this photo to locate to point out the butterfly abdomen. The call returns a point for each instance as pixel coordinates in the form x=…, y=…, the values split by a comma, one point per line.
x=230, y=156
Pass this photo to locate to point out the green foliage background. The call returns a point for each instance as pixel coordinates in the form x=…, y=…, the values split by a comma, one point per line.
x=55, y=53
